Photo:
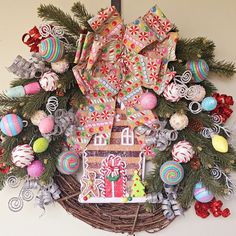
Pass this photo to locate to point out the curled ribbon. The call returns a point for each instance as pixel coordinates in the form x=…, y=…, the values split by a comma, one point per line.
x=32, y=39
x=160, y=137
x=224, y=102
x=170, y=206
x=28, y=69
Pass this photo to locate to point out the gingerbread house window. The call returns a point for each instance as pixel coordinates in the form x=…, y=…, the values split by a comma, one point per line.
x=99, y=140
x=127, y=137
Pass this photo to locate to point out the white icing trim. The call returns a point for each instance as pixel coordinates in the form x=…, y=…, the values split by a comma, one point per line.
x=127, y=137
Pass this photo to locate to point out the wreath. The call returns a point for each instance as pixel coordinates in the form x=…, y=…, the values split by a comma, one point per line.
x=109, y=97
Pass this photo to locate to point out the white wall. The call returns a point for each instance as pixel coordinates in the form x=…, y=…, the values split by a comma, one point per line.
x=213, y=19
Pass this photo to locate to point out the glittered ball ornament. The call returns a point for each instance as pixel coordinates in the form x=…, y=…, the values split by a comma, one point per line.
x=200, y=93
x=202, y=194
x=171, y=173
x=51, y=49
x=209, y=104
x=46, y=125
x=11, y=125
x=35, y=169
x=40, y=145
x=179, y=121
x=182, y=152
x=22, y=155
x=219, y=143
x=68, y=163
x=171, y=93
x=60, y=66
x=148, y=101
x=37, y=117
x=199, y=70
x=49, y=81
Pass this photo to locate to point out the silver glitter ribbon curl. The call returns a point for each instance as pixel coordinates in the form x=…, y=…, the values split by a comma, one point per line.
x=217, y=174
x=170, y=206
x=33, y=68
x=216, y=127
x=46, y=195
x=157, y=135
x=55, y=31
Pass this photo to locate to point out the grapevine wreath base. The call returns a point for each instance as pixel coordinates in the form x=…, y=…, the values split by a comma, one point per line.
x=118, y=218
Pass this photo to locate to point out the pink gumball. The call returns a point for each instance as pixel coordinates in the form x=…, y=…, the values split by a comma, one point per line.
x=46, y=125
x=32, y=88
x=35, y=169
x=148, y=101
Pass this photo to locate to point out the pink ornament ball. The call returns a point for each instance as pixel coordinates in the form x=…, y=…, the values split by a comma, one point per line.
x=32, y=88
x=148, y=101
x=182, y=152
x=35, y=169
x=46, y=125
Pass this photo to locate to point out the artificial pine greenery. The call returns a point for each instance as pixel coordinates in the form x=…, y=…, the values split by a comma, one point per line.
x=187, y=49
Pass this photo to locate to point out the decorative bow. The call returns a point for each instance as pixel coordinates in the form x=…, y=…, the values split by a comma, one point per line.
x=170, y=206
x=116, y=61
x=157, y=135
x=223, y=106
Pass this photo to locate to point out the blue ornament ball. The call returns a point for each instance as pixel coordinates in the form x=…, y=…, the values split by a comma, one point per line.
x=209, y=104
x=199, y=69
x=202, y=194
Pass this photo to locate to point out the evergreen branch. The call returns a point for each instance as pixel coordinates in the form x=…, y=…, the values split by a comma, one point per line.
x=22, y=82
x=82, y=15
x=57, y=16
x=222, y=68
x=209, y=87
x=3, y=179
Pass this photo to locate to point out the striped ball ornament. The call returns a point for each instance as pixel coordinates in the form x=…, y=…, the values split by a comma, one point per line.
x=49, y=81
x=171, y=173
x=51, y=49
x=182, y=152
x=202, y=194
x=199, y=69
x=11, y=125
x=22, y=155
x=68, y=163
x=171, y=93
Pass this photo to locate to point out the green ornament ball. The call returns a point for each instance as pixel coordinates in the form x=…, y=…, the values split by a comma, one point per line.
x=40, y=145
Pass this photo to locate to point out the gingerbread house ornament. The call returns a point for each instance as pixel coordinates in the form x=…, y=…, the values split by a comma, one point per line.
x=115, y=64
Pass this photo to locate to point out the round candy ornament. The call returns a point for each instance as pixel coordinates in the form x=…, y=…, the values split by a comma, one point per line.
x=37, y=117
x=51, y=49
x=171, y=173
x=202, y=194
x=68, y=163
x=219, y=143
x=60, y=66
x=46, y=125
x=199, y=69
x=22, y=155
x=49, y=81
x=40, y=145
x=209, y=104
x=200, y=94
x=171, y=93
x=35, y=169
x=11, y=125
x=148, y=101
x=182, y=152
x=179, y=121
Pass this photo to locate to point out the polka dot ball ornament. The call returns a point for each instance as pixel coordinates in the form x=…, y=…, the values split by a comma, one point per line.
x=68, y=163
x=22, y=155
x=51, y=49
x=199, y=69
x=49, y=81
x=171, y=93
x=171, y=172
x=201, y=193
x=182, y=152
x=11, y=125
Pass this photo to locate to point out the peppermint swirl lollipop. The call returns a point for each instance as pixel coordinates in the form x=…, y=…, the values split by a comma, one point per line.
x=171, y=173
x=68, y=163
